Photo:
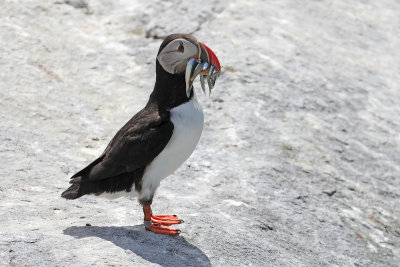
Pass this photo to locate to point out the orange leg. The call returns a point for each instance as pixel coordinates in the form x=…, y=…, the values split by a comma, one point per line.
x=157, y=223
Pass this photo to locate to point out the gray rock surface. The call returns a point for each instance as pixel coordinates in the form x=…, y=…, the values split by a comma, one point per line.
x=298, y=164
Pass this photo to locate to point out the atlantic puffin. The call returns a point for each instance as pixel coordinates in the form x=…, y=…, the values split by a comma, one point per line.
x=160, y=137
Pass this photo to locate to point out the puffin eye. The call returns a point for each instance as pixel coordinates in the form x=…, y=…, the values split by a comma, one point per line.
x=181, y=48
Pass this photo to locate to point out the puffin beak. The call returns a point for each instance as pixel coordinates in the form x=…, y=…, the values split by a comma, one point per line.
x=204, y=63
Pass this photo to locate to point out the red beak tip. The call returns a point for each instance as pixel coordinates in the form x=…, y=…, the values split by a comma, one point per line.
x=212, y=58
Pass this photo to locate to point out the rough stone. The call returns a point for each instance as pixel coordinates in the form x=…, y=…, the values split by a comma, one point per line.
x=298, y=164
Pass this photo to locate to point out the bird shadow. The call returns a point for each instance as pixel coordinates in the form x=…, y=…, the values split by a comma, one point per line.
x=160, y=249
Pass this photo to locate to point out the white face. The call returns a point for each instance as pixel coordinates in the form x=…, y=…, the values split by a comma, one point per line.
x=174, y=57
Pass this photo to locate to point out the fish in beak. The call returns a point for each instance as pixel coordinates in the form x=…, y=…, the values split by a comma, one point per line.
x=205, y=64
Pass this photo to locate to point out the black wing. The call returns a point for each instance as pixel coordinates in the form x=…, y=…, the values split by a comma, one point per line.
x=122, y=163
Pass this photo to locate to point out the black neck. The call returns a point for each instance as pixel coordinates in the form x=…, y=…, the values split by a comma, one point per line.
x=169, y=90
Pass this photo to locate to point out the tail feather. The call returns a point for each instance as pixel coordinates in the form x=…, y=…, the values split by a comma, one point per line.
x=83, y=185
x=75, y=190
x=72, y=192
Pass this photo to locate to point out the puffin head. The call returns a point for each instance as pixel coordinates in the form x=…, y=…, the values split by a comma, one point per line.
x=182, y=54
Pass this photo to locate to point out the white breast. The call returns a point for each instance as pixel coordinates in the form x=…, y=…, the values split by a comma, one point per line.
x=188, y=120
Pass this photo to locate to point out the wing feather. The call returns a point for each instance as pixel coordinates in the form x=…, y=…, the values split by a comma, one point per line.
x=134, y=146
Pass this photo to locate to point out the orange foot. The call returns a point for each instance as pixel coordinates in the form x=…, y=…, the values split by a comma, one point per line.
x=165, y=219
x=158, y=223
x=161, y=229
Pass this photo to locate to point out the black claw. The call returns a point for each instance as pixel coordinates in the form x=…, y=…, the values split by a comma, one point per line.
x=181, y=221
x=178, y=231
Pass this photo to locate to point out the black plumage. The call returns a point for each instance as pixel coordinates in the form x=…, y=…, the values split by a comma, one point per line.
x=138, y=142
